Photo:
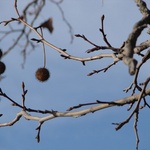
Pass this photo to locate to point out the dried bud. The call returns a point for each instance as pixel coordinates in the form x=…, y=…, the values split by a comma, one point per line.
x=48, y=24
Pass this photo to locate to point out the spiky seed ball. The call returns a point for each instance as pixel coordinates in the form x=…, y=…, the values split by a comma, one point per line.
x=2, y=67
x=42, y=74
x=1, y=53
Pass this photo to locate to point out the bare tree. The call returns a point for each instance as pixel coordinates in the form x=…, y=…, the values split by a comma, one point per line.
x=133, y=55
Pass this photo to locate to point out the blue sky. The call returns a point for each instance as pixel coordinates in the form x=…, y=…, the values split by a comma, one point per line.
x=69, y=84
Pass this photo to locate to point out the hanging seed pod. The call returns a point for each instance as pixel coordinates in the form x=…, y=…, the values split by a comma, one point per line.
x=1, y=53
x=42, y=74
x=2, y=67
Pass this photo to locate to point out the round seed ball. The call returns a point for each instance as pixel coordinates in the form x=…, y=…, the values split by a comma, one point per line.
x=1, y=53
x=42, y=74
x=2, y=67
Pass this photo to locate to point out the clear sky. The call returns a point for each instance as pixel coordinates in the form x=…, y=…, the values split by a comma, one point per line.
x=69, y=84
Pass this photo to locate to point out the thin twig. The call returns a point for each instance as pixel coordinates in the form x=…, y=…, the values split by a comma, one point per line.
x=136, y=129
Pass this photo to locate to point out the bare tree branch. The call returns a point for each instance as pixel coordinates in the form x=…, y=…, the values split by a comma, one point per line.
x=126, y=53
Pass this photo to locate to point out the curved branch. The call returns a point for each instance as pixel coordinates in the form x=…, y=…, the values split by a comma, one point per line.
x=130, y=44
x=120, y=102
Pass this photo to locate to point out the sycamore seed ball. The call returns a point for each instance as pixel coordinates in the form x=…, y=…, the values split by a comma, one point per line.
x=1, y=53
x=42, y=74
x=2, y=67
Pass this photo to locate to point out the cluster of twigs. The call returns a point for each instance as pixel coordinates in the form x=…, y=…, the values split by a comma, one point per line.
x=126, y=53
x=24, y=111
x=30, y=13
